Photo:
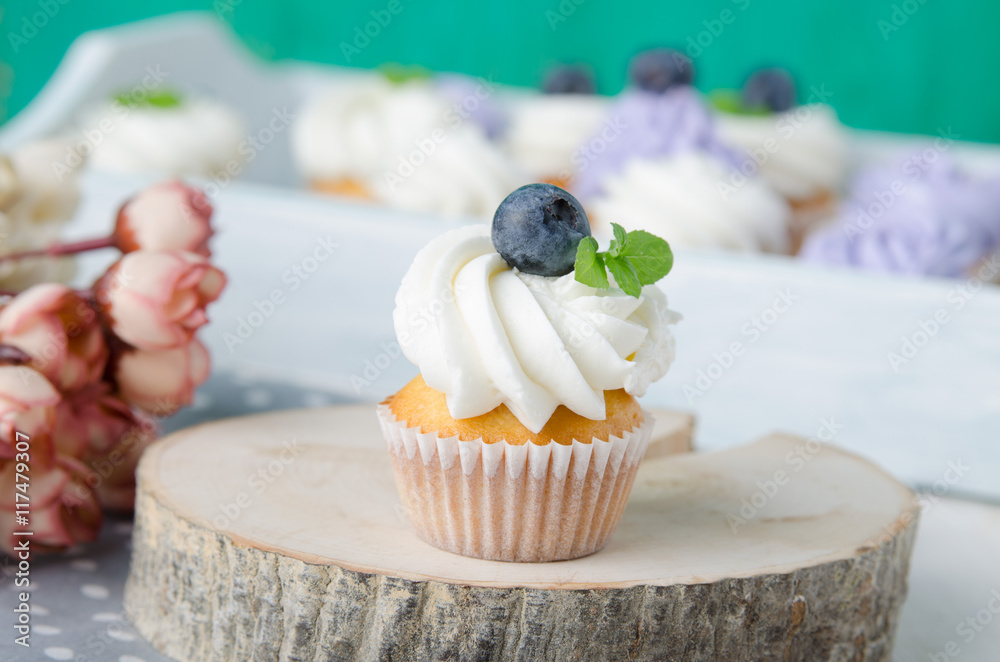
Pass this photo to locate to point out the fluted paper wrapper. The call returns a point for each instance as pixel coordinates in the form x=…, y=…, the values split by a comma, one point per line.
x=502, y=502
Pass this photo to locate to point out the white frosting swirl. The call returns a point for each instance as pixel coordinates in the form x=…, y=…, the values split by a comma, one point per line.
x=465, y=175
x=361, y=127
x=406, y=146
x=690, y=200
x=545, y=130
x=198, y=137
x=485, y=334
x=805, y=149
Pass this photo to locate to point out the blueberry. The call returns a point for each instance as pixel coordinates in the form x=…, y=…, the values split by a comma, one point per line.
x=659, y=69
x=569, y=79
x=773, y=89
x=537, y=228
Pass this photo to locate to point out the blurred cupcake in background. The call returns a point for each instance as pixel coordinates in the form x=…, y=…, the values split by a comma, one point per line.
x=165, y=133
x=547, y=130
x=800, y=150
x=406, y=143
x=668, y=172
x=922, y=216
x=472, y=99
x=679, y=197
x=660, y=115
x=39, y=194
x=466, y=175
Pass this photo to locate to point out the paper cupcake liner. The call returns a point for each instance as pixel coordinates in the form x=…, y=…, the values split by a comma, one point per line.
x=808, y=215
x=502, y=502
x=344, y=187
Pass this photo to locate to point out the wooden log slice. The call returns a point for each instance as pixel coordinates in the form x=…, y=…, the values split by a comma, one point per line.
x=281, y=537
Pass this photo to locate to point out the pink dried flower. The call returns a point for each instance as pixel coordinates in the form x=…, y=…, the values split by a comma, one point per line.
x=59, y=331
x=161, y=381
x=157, y=299
x=167, y=216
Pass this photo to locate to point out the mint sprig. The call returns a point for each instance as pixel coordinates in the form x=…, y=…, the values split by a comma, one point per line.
x=634, y=258
x=731, y=101
x=157, y=99
x=400, y=73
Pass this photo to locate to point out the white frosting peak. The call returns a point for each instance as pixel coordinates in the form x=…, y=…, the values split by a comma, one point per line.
x=199, y=137
x=691, y=200
x=485, y=334
x=359, y=128
x=803, y=151
x=465, y=175
x=405, y=144
x=547, y=129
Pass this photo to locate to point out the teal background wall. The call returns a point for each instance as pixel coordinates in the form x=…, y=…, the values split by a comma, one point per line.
x=901, y=65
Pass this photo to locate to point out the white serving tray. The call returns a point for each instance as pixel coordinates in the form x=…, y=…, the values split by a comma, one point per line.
x=825, y=358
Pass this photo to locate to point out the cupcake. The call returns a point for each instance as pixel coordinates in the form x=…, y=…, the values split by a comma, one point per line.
x=473, y=99
x=406, y=144
x=801, y=151
x=38, y=196
x=669, y=173
x=922, y=216
x=688, y=198
x=521, y=437
x=547, y=130
x=465, y=176
x=660, y=116
x=166, y=133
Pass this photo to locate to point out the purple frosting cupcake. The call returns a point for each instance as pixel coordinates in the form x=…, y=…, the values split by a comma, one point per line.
x=472, y=99
x=661, y=116
x=916, y=217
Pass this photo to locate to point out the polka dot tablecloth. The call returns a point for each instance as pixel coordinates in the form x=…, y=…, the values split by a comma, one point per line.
x=76, y=597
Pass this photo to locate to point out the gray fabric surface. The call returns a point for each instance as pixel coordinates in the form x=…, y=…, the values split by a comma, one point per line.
x=76, y=597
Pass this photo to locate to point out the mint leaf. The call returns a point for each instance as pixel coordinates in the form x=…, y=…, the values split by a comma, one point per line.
x=589, y=266
x=649, y=255
x=625, y=275
x=731, y=101
x=163, y=100
x=160, y=99
x=634, y=258
x=400, y=73
x=620, y=235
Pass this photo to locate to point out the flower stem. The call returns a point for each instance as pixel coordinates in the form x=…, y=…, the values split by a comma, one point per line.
x=63, y=249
